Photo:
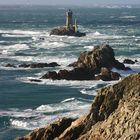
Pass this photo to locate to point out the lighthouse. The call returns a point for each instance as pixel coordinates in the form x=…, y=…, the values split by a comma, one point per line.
x=69, y=20
x=70, y=29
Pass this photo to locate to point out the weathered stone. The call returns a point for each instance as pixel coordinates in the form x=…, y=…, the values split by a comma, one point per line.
x=34, y=65
x=75, y=74
x=39, y=65
x=50, y=132
x=114, y=115
x=100, y=56
x=10, y=65
x=129, y=61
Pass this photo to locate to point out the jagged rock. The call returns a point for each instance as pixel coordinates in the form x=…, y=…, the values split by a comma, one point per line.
x=129, y=61
x=39, y=65
x=107, y=75
x=35, y=80
x=10, y=65
x=34, y=65
x=75, y=74
x=64, y=31
x=89, y=64
x=114, y=115
x=50, y=132
x=100, y=56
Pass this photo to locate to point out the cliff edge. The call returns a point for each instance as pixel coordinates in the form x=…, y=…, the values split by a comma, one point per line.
x=114, y=115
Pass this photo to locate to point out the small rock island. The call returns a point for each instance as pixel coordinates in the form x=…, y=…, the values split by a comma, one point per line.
x=69, y=29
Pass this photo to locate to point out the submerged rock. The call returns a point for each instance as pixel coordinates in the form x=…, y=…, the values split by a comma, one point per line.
x=129, y=61
x=10, y=65
x=34, y=65
x=114, y=115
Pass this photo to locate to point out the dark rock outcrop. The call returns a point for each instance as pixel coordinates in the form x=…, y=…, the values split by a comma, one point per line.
x=10, y=65
x=114, y=115
x=100, y=56
x=129, y=61
x=34, y=65
x=89, y=64
x=39, y=65
x=75, y=74
x=63, y=31
x=107, y=75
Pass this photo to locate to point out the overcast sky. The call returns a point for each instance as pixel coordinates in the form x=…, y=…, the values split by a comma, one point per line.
x=68, y=2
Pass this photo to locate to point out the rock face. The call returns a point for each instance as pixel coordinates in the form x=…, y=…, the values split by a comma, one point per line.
x=34, y=65
x=100, y=56
x=50, y=132
x=64, y=31
x=75, y=74
x=107, y=75
x=98, y=61
x=114, y=115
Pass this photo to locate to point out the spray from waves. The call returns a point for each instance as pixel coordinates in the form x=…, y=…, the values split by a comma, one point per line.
x=68, y=83
x=89, y=47
x=11, y=49
x=21, y=32
x=98, y=35
x=92, y=90
x=30, y=119
x=15, y=35
x=127, y=17
x=62, y=60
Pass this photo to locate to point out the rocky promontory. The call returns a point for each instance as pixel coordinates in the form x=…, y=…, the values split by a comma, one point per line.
x=114, y=115
x=91, y=65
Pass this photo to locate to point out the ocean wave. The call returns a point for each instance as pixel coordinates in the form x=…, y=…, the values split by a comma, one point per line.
x=11, y=49
x=67, y=100
x=92, y=90
x=30, y=119
x=68, y=83
x=15, y=35
x=89, y=47
x=21, y=32
x=128, y=17
x=63, y=61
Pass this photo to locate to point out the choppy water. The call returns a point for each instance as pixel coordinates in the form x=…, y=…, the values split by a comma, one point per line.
x=25, y=106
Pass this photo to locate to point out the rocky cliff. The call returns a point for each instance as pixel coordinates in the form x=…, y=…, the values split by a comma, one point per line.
x=114, y=115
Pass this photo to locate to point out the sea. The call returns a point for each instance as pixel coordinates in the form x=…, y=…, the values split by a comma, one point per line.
x=25, y=38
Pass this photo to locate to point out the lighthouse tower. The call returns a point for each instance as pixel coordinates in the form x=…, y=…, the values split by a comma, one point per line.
x=69, y=21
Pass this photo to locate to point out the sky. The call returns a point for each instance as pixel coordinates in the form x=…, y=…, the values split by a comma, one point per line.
x=67, y=2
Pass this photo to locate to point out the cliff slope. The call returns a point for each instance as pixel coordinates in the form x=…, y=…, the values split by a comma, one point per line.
x=114, y=115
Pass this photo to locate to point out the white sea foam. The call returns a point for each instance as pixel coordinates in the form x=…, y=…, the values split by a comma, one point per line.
x=67, y=100
x=128, y=17
x=11, y=49
x=89, y=47
x=92, y=92
x=23, y=32
x=33, y=118
x=15, y=35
